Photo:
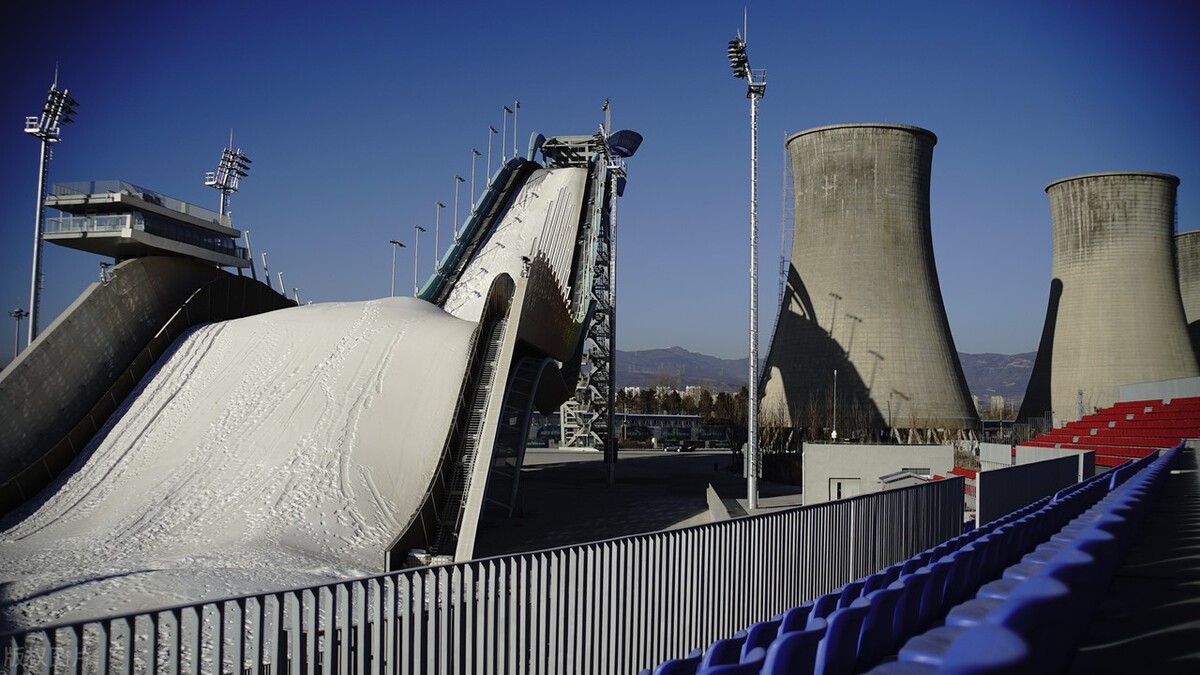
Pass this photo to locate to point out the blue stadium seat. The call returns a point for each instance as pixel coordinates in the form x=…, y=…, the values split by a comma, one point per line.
x=824, y=605
x=760, y=635
x=684, y=666
x=723, y=651
x=794, y=652
x=850, y=592
x=795, y=619
x=877, y=640
x=751, y=665
x=837, y=652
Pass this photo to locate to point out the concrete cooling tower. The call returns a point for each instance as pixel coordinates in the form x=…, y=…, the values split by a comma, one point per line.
x=1187, y=265
x=1115, y=312
x=862, y=294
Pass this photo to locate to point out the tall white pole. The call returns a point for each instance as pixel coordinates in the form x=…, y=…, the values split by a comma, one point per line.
x=504, y=135
x=394, y=247
x=267, y=272
x=437, y=234
x=516, y=108
x=35, y=294
x=417, y=230
x=474, y=154
x=458, y=180
x=834, y=435
x=491, y=133
x=250, y=254
x=282, y=288
x=752, y=423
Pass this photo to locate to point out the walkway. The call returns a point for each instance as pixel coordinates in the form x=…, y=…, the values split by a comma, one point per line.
x=1149, y=620
x=567, y=500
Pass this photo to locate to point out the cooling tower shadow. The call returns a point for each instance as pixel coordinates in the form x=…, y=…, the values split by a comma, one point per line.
x=1037, y=393
x=807, y=381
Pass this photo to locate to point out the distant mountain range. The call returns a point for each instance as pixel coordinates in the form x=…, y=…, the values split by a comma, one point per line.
x=987, y=374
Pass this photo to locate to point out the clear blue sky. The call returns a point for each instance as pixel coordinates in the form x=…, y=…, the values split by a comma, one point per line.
x=357, y=116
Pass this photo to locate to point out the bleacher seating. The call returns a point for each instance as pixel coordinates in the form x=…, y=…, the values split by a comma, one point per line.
x=1012, y=595
x=1127, y=429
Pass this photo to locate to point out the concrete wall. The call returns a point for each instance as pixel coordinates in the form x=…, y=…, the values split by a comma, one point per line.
x=995, y=456
x=1146, y=391
x=1031, y=454
x=62, y=388
x=824, y=462
x=69, y=366
x=1120, y=319
x=1003, y=491
x=862, y=292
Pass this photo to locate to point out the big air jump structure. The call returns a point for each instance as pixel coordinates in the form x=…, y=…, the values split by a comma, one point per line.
x=862, y=295
x=1115, y=316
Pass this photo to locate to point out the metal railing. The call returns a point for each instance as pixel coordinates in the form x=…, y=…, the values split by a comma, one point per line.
x=613, y=606
x=84, y=188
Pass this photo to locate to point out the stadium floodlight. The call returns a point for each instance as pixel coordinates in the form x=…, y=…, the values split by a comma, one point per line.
x=474, y=155
x=17, y=314
x=417, y=230
x=458, y=180
x=267, y=272
x=491, y=133
x=437, y=235
x=833, y=435
x=57, y=111
x=516, y=109
x=395, y=245
x=233, y=166
x=503, y=132
x=756, y=88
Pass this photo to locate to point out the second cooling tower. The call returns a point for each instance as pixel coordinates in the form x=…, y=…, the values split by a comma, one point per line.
x=1115, y=314
x=862, y=292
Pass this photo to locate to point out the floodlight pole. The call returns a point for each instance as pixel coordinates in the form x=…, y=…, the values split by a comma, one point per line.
x=491, y=132
x=58, y=110
x=249, y=256
x=474, y=154
x=834, y=435
x=756, y=87
x=35, y=294
x=458, y=180
x=395, y=245
x=417, y=230
x=267, y=272
x=516, y=108
x=504, y=135
x=17, y=314
x=437, y=235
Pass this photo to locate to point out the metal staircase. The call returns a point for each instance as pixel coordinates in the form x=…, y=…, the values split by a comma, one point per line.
x=465, y=448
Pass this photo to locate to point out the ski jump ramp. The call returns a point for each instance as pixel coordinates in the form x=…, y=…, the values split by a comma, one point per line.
x=314, y=443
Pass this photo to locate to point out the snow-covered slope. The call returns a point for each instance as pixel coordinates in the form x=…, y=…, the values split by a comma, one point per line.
x=274, y=451
x=543, y=218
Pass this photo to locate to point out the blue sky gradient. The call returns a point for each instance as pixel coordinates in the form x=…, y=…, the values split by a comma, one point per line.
x=357, y=117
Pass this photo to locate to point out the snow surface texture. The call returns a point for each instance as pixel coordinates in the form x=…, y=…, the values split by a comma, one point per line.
x=543, y=217
x=270, y=452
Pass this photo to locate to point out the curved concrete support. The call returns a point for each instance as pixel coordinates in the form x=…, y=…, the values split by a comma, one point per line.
x=1120, y=318
x=862, y=294
x=61, y=389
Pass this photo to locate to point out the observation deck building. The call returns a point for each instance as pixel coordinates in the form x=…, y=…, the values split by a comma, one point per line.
x=122, y=220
